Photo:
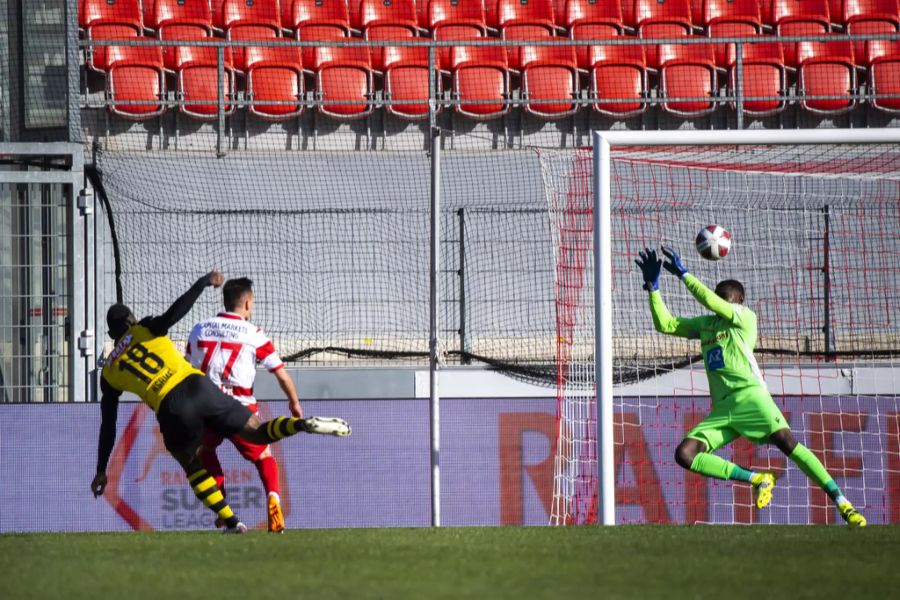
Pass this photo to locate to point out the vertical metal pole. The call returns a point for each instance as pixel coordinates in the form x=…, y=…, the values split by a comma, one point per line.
x=739, y=84
x=220, y=100
x=98, y=280
x=432, y=91
x=826, y=271
x=603, y=334
x=78, y=383
x=23, y=382
x=52, y=339
x=462, y=285
x=434, y=394
x=73, y=71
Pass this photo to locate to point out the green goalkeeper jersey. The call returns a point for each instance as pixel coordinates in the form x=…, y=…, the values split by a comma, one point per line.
x=727, y=339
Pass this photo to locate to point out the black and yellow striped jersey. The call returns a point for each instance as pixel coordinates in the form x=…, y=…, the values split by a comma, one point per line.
x=147, y=365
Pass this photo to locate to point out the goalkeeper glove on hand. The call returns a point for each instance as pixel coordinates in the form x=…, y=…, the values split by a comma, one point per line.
x=650, y=266
x=674, y=264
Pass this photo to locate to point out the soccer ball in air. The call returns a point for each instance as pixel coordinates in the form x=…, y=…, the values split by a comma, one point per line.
x=713, y=242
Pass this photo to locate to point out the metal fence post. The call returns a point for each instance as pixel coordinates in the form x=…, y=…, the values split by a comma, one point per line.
x=220, y=100
x=826, y=272
x=739, y=84
x=462, y=285
x=432, y=92
x=434, y=349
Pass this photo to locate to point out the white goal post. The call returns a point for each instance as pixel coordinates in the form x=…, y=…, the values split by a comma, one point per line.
x=602, y=265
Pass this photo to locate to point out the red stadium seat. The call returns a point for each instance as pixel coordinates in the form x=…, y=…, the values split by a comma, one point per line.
x=135, y=84
x=674, y=15
x=511, y=13
x=287, y=13
x=387, y=20
x=344, y=76
x=354, y=13
x=264, y=14
x=318, y=13
x=455, y=20
x=524, y=20
x=522, y=32
x=245, y=21
x=550, y=80
x=105, y=12
x=108, y=20
x=764, y=77
x=406, y=80
x=883, y=60
x=592, y=20
x=687, y=77
x=482, y=75
x=588, y=12
x=619, y=73
x=443, y=13
x=388, y=13
x=215, y=9
x=730, y=18
x=870, y=16
x=490, y=13
x=590, y=32
x=451, y=32
x=696, y=11
x=197, y=74
x=826, y=69
x=318, y=33
x=275, y=75
x=178, y=32
x=799, y=17
x=180, y=20
x=180, y=12
x=661, y=19
x=316, y=20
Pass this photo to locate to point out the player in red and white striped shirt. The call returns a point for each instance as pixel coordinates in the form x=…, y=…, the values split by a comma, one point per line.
x=227, y=348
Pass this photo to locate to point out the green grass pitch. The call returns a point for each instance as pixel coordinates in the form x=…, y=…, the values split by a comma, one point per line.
x=724, y=563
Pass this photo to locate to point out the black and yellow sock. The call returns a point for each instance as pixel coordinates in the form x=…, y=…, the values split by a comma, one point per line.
x=282, y=427
x=208, y=493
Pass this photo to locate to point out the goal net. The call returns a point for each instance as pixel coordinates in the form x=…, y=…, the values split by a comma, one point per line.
x=337, y=243
x=816, y=247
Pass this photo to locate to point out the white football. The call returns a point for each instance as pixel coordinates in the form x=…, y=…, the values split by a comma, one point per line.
x=713, y=242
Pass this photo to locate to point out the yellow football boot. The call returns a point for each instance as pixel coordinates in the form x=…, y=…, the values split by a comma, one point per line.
x=851, y=515
x=763, y=484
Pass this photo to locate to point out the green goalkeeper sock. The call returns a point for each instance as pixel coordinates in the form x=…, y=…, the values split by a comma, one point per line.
x=716, y=466
x=815, y=470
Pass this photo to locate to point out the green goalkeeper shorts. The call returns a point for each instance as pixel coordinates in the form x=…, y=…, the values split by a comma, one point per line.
x=748, y=413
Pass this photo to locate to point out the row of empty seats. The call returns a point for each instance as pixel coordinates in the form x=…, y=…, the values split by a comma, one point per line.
x=313, y=20
x=494, y=14
x=277, y=83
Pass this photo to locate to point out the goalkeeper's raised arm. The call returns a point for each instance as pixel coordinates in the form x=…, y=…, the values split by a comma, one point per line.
x=705, y=296
x=663, y=320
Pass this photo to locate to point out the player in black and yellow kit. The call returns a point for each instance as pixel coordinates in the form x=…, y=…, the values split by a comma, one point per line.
x=145, y=362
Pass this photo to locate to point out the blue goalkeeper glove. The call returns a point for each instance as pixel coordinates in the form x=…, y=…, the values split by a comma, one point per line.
x=674, y=265
x=650, y=266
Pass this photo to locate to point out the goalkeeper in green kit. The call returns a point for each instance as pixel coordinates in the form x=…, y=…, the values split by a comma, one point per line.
x=741, y=403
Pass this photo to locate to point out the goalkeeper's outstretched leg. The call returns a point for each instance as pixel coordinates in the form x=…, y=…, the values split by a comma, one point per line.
x=695, y=455
x=813, y=468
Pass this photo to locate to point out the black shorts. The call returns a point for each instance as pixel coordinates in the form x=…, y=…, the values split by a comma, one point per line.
x=193, y=404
